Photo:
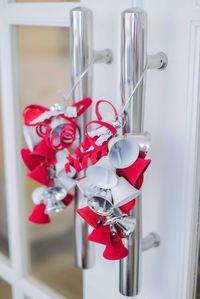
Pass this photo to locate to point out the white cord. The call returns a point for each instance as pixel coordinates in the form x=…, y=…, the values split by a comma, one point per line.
x=66, y=96
x=121, y=114
x=132, y=93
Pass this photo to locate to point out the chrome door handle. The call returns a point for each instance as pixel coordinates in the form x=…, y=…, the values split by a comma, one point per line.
x=134, y=60
x=82, y=57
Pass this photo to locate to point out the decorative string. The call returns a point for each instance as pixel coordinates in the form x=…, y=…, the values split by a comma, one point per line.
x=121, y=114
x=132, y=93
x=66, y=96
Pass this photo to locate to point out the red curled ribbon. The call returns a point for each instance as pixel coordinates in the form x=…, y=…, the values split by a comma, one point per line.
x=65, y=135
x=82, y=105
x=88, y=150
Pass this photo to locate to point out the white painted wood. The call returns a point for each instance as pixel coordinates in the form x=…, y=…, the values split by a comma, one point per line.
x=11, y=166
x=32, y=288
x=170, y=201
x=19, y=14
x=37, y=14
x=171, y=192
x=6, y=272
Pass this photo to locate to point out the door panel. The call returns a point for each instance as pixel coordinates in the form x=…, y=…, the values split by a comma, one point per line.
x=171, y=189
x=170, y=200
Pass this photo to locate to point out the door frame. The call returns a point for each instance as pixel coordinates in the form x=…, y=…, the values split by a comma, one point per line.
x=57, y=14
x=14, y=269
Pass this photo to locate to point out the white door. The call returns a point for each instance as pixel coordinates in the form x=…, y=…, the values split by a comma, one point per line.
x=34, y=48
x=171, y=187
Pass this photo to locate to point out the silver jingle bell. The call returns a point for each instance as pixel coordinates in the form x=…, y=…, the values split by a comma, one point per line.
x=101, y=202
x=126, y=225
x=53, y=197
x=53, y=206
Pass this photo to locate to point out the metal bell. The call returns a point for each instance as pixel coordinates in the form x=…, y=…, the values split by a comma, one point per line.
x=122, y=221
x=126, y=225
x=53, y=206
x=102, y=174
x=123, y=151
x=101, y=202
x=53, y=199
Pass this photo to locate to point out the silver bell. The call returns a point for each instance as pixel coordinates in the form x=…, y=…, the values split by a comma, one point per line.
x=126, y=225
x=54, y=206
x=101, y=202
x=53, y=197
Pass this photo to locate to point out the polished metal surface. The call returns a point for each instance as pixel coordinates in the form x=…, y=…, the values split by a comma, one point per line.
x=133, y=63
x=150, y=241
x=103, y=56
x=157, y=61
x=81, y=57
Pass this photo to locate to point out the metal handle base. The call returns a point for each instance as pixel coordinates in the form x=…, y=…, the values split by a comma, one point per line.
x=150, y=241
x=157, y=61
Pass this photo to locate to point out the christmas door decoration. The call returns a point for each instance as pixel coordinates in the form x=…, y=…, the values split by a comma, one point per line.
x=49, y=134
x=113, y=164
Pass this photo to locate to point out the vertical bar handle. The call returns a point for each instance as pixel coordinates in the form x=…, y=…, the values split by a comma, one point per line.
x=81, y=41
x=133, y=62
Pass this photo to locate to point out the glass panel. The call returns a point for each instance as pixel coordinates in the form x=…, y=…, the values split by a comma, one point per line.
x=43, y=71
x=4, y=248
x=5, y=290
